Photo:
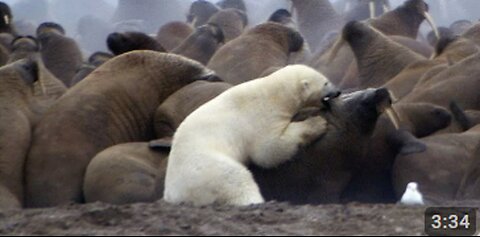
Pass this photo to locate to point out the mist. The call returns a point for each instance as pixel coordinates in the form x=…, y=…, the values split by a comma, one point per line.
x=90, y=21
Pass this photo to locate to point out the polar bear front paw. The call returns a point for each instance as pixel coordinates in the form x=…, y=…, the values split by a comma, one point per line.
x=314, y=127
x=273, y=151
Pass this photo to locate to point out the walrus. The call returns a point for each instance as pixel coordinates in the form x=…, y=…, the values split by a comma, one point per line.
x=321, y=172
x=173, y=34
x=4, y=54
x=231, y=21
x=440, y=168
x=470, y=184
x=473, y=33
x=404, y=20
x=443, y=32
x=202, y=43
x=6, y=17
x=94, y=61
x=246, y=57
x=284, y=17
x=61, y=54
x=98, y=58
x=378, y=57
x=6, y=40
x=460, y=26
x=449, y=51
x=48, y=88
x=135, y=172
x=372, y=182
x=103, y=110
x=209, y=154
x=23, y=47
x=126, y=173
x=180, y=104
x=81, y=73
x=16, y=94
x=119, y=43
x=200, y=11
x=443, y=87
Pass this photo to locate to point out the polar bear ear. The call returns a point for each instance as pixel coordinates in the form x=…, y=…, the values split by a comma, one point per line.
x=305, y=88
x=305, y=85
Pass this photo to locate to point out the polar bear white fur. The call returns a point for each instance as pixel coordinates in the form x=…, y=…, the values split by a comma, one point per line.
x=250, y=122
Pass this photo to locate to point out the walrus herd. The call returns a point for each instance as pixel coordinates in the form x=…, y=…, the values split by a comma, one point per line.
x=207, y=102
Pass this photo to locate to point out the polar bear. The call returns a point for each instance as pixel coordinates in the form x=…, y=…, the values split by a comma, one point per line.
x=250, y=122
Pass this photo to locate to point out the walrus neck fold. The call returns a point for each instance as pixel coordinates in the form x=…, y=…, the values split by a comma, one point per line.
x=115, y=103
x=374, y=51
x=404, y=20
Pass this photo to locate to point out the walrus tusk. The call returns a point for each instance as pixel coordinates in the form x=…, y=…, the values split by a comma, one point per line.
x=292, y=8
x=393, y=116
x=385, y=8
x=336, y=47
x=42, y=86
x=390, y=111
x=375, y=29
x=194, y=21
x=6, y=19
x=430, y=21
x=392, y=97
x=371, y=5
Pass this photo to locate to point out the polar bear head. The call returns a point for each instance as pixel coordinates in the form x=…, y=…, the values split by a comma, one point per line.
x=313, y=88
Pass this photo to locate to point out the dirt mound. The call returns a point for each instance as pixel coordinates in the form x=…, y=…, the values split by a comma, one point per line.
x=161, y=218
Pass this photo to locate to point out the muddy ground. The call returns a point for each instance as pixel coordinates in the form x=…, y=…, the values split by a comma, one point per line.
x=271, y=218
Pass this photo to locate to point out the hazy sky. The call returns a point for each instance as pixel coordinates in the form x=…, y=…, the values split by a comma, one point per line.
x=444, y=11
x=113, y=2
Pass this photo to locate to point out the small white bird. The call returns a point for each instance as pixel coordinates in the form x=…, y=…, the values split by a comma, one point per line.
x=412, y=196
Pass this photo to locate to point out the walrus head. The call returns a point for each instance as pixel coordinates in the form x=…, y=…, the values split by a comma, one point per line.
x=320, y=172
x=120, y=43
x=29, y=43
x=50, y=27
x=373, y=103
x=282, y=16
x=419, y=9
x=6, y=14
x=214, y=30
x=200, y=11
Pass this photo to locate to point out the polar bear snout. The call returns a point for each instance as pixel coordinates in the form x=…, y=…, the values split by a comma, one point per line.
x=319, y=94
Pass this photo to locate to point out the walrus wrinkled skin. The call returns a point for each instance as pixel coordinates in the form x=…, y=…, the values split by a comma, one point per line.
x=16, y=93
x=114, y=104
